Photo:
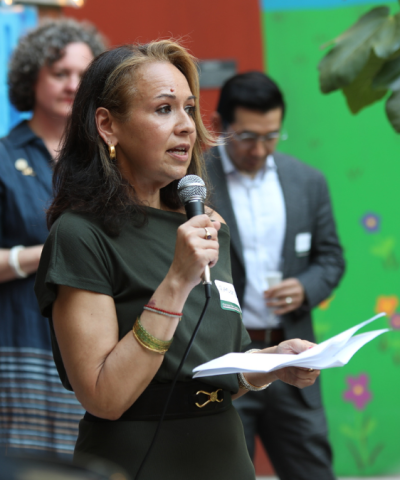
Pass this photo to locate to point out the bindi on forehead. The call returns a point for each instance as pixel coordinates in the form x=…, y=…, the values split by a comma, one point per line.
x=172, y=90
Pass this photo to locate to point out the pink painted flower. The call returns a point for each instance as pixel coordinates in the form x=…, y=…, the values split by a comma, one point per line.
x=371, y=222
x=395, y=321
x=358, y=391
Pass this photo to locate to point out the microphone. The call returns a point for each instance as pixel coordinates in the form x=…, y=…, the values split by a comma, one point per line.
x=192, y=193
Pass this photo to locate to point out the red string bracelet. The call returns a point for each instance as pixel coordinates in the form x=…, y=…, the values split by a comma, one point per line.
x=162, y=312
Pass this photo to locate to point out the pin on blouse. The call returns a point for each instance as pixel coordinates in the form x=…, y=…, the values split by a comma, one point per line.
x=22, y=166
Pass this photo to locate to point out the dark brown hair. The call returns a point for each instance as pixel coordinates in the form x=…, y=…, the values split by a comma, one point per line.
x=85, y=178
x=251, y=90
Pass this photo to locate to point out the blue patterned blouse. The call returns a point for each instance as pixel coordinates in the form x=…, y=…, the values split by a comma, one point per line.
x=36, y=413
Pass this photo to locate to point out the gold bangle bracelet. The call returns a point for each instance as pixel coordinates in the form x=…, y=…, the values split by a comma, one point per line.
x=148, y=341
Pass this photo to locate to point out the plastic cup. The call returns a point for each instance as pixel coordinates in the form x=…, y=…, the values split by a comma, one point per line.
x=273, y=278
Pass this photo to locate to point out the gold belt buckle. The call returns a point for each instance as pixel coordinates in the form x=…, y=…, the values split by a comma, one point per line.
x=212, y=397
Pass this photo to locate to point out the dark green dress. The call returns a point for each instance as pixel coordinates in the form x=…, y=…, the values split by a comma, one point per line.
x=129, y=267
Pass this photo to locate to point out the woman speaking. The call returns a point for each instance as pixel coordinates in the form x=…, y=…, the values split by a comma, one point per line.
x=120, y=274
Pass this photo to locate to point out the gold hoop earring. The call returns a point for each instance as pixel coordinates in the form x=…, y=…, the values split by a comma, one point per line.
x=111, y=150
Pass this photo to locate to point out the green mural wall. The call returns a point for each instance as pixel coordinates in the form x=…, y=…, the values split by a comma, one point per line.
x=360, y=155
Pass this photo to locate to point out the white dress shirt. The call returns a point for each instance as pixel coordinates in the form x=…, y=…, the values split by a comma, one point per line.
x=259, y=208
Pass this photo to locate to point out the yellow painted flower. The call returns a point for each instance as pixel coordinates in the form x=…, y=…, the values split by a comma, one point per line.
x=387, y=304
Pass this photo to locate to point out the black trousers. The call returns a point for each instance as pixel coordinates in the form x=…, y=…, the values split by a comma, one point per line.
x=294, y=435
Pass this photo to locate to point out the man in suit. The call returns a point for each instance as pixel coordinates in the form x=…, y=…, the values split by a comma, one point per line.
x=280, y=218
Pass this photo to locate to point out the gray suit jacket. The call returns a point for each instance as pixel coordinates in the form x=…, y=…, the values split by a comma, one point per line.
x=308, y=209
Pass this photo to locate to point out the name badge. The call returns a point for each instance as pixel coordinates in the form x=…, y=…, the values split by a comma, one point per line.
x=228, y=297
x=303, y=243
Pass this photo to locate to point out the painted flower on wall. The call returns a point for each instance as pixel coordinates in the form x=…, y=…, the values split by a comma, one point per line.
x=358, y=392
x=371, y=222
x=325, y=304
x=387, y=304
x=395, y=321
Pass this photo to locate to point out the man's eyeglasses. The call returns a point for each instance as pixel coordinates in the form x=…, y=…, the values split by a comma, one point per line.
x=251, y=138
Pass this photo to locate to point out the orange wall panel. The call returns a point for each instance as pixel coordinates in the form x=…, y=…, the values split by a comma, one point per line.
x=211, y=29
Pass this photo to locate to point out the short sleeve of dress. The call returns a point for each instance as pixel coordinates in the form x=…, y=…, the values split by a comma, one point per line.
x=75, y=255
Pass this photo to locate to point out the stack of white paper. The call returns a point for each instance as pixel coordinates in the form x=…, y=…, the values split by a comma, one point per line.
x=335, y=352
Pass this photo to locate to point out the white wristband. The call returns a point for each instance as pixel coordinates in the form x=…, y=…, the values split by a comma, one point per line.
x=14, y=262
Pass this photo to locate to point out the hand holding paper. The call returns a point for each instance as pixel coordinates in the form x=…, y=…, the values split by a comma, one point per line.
x=335, y=352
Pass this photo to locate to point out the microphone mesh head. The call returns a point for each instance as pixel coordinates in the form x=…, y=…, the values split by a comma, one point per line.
x=190, y=188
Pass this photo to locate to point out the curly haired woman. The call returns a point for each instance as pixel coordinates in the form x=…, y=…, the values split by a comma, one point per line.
x=36, y=414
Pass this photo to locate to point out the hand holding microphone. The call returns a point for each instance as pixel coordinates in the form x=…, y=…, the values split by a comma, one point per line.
x=197, y=239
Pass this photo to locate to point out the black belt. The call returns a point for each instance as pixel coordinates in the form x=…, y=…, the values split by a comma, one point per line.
x=272, y=336
x=189, y=399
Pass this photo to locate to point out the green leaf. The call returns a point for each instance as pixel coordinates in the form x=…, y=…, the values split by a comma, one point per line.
x=359, y=94
x=377, y=450
x=362, y=26
x=392, y=108
x=383, y=343
x=388, y=76
x=384, y=248
x=387, y=40
x=358, y=458
x=369, y=427
x=348, y=431
x=346, y=60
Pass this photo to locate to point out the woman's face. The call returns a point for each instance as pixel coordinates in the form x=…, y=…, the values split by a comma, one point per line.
x=57, y=84
x=154, y=146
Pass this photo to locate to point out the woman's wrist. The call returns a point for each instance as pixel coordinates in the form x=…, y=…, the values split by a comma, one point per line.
x=29, y=258
x=256, y=381
x=259, y=380
x=19, y=262
x=169, y=297
x=176, y=290
x=270, y=349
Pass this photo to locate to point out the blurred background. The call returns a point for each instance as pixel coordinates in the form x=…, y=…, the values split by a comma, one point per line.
x=358, y=154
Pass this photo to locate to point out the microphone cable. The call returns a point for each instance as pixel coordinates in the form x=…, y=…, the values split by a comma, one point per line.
x=189, y=346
